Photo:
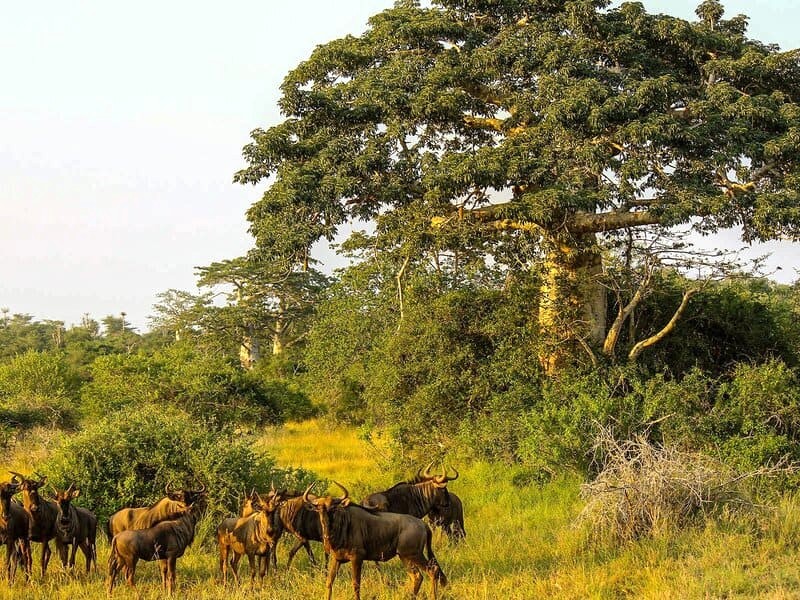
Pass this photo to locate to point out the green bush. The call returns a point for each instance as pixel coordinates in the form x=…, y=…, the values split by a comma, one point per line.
x=207, y=385
x=128, y=457
x=37, y=388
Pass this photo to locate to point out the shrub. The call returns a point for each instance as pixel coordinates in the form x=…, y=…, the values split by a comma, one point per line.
x=37, y=388
x=643, y=488
x=127, y=458
x=209, y=386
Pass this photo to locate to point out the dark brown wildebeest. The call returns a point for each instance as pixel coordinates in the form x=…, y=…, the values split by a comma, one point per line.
x=77, y=527
x=170, y=507
x=352, y=533
x=14, y=528
x=43, y=516
x=297, y=518
x=165, y=542
x=252, y=535
x=415, y=498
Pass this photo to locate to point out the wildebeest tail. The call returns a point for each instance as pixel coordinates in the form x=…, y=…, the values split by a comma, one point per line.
x=433, y=564
x=108, y=530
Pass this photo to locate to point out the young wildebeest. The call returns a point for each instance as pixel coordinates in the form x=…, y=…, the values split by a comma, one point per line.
x=351, y=533
x=165, y=542
x=253, y=535
x=250, y=505
x=43, y=516
x=415, y=498
x=76, y=527
x=169, y=507
x=14, y=527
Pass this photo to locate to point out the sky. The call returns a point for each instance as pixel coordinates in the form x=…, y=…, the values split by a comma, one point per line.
x=121, y=125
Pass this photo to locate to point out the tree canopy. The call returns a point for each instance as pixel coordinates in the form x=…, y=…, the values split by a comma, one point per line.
x=559, y=121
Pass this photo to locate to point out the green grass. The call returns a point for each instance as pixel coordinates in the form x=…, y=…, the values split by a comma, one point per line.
x=521, y=544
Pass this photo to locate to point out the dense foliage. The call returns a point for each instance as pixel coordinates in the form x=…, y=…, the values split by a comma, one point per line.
x=128, y=458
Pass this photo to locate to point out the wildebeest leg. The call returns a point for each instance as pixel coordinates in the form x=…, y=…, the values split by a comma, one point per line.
x=86, y=550
x=223, y=562
x=45, y=556
x=263, y=565
x=113, y=568
x=413, y=574
x=235, y=565
x=333, y=569
x=301, y=543
x=12, y=557
x=273, y=552
x=171, y=576
x=356, y=563
x=72, y=554
x=25, y=546
x=162, y=567
x=251, y=559
x=130, y=572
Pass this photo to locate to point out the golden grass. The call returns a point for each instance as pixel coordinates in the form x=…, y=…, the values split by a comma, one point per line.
x=521, y=544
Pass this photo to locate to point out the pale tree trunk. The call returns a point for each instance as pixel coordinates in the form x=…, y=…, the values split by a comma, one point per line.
x=280, y=330
x=278, y=345
x=250, y=349
x=572, y=304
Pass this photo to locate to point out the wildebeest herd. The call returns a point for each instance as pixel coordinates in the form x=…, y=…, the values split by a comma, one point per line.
x=386, y=524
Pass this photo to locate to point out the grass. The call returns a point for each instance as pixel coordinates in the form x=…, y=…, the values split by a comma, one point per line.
x=521, y=544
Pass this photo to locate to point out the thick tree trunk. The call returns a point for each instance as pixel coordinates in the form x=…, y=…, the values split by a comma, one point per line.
x=572, y=304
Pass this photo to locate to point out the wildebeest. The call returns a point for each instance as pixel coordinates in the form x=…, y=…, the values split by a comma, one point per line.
x=43, y=517
x=250, y=504
x=415, y=498
x=450, y=517
x=77, y=527
x=165, y=542
x=252, y=535
x=352, y=533
x=298, y=519
x=170, y=507
x=14, y=528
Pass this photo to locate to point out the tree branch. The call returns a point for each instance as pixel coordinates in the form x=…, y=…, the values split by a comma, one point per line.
x=654, y=339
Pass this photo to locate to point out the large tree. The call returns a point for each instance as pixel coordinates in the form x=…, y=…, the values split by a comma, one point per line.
x=563, y=121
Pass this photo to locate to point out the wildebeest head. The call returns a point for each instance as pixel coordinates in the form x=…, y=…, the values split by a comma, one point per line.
x=30, y=491
x=326, y=507
x=7, y=491
x=63, y=501
x=186, y=495
x=326, y=503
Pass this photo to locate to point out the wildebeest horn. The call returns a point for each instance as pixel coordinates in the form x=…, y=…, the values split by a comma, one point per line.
x=42, y=478
x=344, y=489
x=305, y=494
x=453, y=478
x=272, y=486
x=70, y=488
x=168, y=487
x=202, y=489
x=427, y=472
x=16, y=476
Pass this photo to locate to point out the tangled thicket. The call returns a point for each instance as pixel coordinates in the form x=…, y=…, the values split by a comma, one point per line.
x=644, y=488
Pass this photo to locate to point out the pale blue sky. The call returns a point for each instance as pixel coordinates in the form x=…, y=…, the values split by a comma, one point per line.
x=121, y=125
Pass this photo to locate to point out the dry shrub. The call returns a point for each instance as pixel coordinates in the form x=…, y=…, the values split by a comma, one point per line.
x=644, y=488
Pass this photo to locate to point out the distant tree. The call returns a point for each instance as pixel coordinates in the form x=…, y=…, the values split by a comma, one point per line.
x=264, y=303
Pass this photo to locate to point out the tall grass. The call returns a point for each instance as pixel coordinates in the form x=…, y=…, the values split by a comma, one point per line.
x=521, y=544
